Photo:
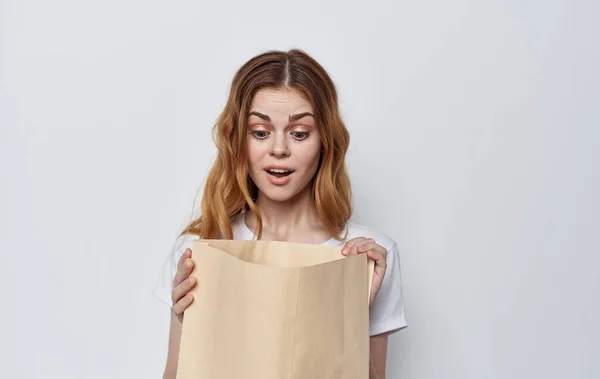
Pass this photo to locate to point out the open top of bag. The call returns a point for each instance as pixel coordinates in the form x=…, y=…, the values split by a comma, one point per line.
x=281, y=254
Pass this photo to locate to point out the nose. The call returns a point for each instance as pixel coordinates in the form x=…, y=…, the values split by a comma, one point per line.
x=279, y=147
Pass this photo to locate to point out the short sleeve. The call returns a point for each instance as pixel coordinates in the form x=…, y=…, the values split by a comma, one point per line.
x=387, y=312
x=163, y=287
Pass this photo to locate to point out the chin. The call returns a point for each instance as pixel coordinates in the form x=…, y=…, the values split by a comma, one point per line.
x=278, y=194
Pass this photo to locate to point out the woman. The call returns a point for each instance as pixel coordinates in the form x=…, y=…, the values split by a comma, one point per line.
x=280, y=175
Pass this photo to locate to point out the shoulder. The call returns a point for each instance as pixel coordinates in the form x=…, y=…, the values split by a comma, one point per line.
x=358, y=230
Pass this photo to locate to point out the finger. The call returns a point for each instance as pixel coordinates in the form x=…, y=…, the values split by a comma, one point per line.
x=378, y=257
x=350, y=246
x=359, y=244
x=378, y=271
x=377, y=281
x=186, y=254
x=183, y=272
x=182, y=304
x=377, y=253
x=372, y=297
x=380, y=261
x=370, y=245
x=182, y=289
x=375, y=287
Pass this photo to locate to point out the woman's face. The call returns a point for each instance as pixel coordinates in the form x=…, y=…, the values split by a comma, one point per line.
x=283, y=143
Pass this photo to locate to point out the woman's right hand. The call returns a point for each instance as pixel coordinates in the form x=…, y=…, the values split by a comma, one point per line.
x=182, y=284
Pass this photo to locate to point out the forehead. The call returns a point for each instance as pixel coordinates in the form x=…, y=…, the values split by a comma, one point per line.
x=284, y=101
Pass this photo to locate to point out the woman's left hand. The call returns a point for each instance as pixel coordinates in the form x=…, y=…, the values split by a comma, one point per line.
x=374, y=251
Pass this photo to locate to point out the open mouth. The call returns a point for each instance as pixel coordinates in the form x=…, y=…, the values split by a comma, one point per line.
x=279, y=173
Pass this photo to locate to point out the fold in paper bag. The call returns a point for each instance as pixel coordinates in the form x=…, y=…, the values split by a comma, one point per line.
x=276, y=310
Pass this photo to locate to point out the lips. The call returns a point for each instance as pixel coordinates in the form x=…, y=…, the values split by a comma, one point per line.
x=279, y=171
x=279, y=175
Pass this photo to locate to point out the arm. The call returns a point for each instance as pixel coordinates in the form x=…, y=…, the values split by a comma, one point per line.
x=173, y=352
x=378, y=356
x=378, y=343
x=181, y=299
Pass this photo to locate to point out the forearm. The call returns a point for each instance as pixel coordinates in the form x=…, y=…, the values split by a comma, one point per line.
x=378, y=347
x=173, y=353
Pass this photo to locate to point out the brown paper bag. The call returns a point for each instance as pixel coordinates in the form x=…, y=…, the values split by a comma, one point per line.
x=276, y=310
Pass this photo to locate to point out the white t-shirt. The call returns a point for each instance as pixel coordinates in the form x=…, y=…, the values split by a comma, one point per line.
x=386, y=314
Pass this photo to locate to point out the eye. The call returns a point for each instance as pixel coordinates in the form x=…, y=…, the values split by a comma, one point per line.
x=300, y=135
x=260, y=134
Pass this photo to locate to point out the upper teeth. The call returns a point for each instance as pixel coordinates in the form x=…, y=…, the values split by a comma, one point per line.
x=279, y=171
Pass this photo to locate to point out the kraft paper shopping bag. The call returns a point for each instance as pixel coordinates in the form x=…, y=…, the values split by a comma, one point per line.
x=276, y=310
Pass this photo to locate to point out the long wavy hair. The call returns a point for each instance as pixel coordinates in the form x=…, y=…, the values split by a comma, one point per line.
x=229, y=191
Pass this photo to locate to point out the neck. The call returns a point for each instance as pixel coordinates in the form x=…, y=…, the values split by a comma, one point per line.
x=281, y=217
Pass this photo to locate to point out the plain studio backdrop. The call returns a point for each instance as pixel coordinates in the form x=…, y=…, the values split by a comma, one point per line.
x=475, y=136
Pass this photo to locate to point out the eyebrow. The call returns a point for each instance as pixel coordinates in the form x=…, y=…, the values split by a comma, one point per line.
x=294, y=117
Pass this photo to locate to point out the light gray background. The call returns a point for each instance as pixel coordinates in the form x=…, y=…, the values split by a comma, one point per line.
x=475, y=137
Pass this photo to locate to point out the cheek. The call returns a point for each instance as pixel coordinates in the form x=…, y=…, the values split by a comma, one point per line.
x=309, y=156
x=256, y=152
